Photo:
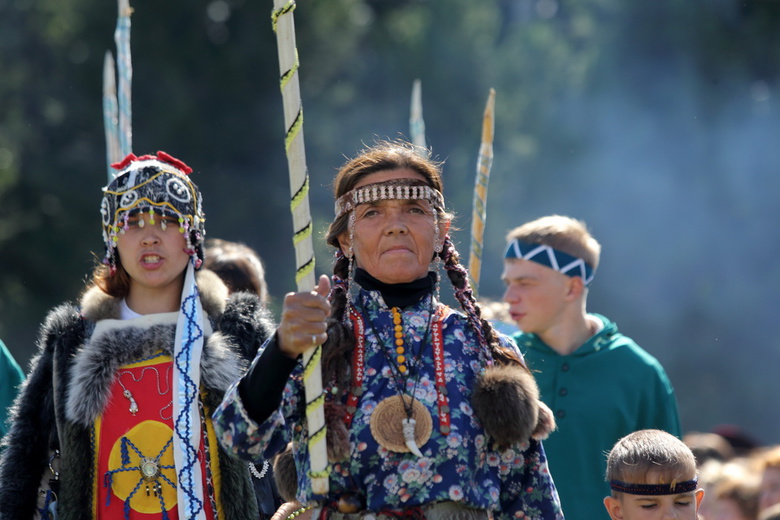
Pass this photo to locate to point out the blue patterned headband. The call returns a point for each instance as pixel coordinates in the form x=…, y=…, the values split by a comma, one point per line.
x=653, y=489
x=552, y=258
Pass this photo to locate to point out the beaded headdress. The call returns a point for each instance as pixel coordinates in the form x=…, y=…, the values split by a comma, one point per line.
x=552, y=258
x=398, y=189
x=159, y=185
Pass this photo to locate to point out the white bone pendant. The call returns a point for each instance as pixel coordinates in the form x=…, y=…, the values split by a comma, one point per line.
x=408, y=429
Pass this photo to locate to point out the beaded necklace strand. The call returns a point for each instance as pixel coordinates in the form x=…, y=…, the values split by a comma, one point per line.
x=399, y=340
x=399, y=364
x=358, y=367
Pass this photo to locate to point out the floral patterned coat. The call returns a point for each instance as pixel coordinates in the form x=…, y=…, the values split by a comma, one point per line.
x=463, y=465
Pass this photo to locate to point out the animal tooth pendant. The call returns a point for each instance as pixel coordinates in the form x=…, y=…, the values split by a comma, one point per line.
x=408, y=429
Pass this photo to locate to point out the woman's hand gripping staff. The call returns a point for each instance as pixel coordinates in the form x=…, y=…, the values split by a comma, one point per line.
x=304, y=319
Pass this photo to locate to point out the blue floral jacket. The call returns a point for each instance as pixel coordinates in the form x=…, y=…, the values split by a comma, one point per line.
x=463, y=466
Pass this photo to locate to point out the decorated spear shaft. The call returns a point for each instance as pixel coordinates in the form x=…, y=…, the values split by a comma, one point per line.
x=284, y=27
x=110, y=114
x=479, y=212
x=416, y=121
x=125, y=68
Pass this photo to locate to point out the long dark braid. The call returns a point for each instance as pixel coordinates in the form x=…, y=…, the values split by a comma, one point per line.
x=336, y=362
x=465, y=295
x=340, y=337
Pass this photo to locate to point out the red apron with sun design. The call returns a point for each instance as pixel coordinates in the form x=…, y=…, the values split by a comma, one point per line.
x=136, y=477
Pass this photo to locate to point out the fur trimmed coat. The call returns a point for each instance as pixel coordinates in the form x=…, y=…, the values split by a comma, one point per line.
x=69, y=383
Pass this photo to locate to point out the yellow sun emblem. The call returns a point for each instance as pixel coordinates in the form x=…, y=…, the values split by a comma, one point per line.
x=146, y=478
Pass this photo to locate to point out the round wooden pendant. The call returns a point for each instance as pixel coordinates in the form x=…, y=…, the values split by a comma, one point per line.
x=387, y=423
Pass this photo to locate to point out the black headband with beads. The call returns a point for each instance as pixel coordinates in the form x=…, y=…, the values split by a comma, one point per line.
x=653, y=489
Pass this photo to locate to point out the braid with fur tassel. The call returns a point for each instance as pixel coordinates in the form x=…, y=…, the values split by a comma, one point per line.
x=505, y=397
x=465, y=295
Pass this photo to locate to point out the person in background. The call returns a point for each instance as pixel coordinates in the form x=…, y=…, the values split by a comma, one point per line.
x=242, y=270
x=238, y=265
x=741, y=440
x=708, y=446
x=599, y=383
x=430, y=412
x=769, y=469
x=736, y=494
x=652, y=476
x=115, y=420
x=11, y=376
x=770, y=513
x=497, y=313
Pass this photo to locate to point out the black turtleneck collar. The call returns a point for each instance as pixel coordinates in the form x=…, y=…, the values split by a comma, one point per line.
x=398, y=294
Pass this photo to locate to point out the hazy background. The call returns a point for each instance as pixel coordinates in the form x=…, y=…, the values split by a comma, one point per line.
x=655, y=122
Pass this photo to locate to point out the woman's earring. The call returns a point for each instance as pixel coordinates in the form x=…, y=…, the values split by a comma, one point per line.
x=351, y=251
x=438, y=243
x=438, y=247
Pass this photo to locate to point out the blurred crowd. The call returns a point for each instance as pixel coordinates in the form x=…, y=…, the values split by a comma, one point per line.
x=740, y=476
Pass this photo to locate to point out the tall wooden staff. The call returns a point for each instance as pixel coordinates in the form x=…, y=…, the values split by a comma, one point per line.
x=284, y=27
x=479, y=213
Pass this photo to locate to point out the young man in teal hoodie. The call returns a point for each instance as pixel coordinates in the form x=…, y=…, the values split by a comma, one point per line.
x=599, y=383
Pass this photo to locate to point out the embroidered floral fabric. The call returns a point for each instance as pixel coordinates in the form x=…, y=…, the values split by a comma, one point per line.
x=462, y=466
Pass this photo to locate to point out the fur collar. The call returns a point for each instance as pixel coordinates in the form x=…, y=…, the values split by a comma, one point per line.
x=97, y=305
x=115, y=343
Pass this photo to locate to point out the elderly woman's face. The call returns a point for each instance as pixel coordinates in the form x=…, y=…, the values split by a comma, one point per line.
x=394, y=239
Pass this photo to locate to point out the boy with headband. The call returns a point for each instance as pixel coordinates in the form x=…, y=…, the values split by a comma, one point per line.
x=599, y=383
x=652, y=475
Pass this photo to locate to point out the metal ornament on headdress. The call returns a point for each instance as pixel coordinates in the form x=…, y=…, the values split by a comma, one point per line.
x=395, y=189
x=159, y=185
x=552, y=258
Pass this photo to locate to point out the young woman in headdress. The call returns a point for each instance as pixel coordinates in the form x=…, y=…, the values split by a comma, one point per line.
x=430, y=412
x=115, y=418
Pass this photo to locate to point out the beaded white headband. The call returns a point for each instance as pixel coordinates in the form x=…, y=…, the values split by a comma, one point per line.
x=395, y=189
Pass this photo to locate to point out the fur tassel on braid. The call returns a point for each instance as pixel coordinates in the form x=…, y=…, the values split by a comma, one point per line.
x=506, y=397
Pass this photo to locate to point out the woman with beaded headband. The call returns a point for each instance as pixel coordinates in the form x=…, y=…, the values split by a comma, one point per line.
x=430, y=412
x=115, y=418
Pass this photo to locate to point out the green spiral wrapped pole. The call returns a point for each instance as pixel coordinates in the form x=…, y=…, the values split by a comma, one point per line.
x=284, y=27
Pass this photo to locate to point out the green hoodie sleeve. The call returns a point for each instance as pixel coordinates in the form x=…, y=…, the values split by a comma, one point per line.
x=11, y=376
